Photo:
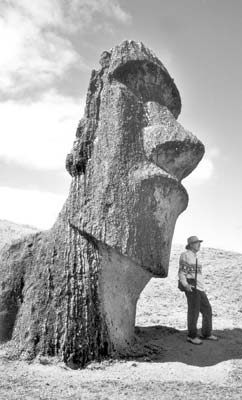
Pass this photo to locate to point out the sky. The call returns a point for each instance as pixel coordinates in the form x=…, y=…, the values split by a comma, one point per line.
x=48, y=49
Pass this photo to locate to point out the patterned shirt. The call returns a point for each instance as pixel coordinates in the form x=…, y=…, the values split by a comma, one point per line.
x=187, y=269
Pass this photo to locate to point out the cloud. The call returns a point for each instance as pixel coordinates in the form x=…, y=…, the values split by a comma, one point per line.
x=87, y=11
x=30, y=56
x=205, y=169
x=39, y=134
x=36, y=46
x=31, y=207
x=16, y=175
x=37, y=51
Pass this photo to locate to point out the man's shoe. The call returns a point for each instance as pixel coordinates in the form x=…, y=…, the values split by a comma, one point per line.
x=195, y=340
x=211, y=337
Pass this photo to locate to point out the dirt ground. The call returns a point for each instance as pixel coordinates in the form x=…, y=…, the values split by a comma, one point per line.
x=164, y=366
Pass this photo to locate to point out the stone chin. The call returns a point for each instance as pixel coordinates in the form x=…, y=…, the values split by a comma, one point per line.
x=159, y=199
x=138, y=219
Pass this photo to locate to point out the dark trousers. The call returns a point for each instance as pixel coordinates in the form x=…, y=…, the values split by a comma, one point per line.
x=197, y=301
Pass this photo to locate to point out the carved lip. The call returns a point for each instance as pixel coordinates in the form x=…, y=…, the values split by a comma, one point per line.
x=170, y=200
x=148, y=170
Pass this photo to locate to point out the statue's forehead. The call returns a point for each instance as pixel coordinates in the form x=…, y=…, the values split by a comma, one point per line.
x=132, y=61
x=130, y=51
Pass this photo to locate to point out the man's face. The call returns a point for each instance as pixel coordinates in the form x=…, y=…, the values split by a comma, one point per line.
x=196, y=246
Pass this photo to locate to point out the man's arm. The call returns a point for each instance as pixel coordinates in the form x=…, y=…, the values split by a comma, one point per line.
x=182, y=273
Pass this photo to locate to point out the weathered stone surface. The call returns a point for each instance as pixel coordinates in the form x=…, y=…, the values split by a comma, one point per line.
x=72, y=291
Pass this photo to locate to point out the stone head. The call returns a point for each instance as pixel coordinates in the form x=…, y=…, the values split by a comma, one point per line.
x=129, y=157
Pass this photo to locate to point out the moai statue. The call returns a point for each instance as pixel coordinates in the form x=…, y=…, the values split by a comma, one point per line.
x=72, y=291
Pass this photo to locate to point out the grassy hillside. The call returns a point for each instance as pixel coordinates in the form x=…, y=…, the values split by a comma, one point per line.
x=163, y=365
x=10, y=231
x=164, y=304
x=222, y=272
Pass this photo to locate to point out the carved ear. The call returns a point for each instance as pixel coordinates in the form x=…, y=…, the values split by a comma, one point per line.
x=76, y=161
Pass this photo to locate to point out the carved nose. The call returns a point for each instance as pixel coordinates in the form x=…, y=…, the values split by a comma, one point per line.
x=168, y=144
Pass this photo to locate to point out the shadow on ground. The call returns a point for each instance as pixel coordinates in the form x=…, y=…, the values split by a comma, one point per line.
x=166, y=344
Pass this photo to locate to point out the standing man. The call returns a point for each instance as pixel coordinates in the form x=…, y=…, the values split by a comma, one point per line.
x=191, y=281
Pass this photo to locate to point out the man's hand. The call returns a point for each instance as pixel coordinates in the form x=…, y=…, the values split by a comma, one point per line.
x=189, y=288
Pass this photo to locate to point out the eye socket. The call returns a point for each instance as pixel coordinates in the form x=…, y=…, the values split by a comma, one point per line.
x=151, y=83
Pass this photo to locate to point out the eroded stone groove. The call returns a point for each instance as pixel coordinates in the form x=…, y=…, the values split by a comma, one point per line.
x=72, y=291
